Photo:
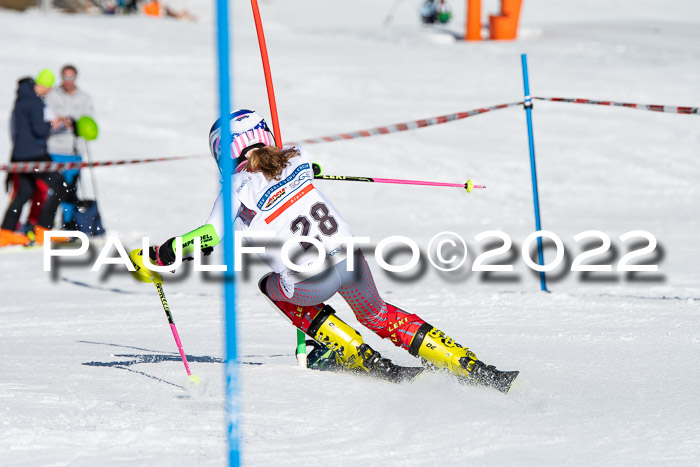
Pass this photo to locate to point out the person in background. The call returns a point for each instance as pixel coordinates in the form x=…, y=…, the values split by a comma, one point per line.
x=444, y=12
x=428, y=12
x=64, y=145
x=31, y=124
x=69, y=101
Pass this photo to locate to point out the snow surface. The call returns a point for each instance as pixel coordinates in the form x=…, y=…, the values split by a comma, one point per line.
x=609, y=362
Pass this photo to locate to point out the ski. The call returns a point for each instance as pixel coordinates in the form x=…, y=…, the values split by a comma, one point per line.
x=481, y=375
x=321, y=358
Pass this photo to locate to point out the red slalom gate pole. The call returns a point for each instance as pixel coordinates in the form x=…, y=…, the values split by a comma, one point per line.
x=268, y=75
x=301, y=338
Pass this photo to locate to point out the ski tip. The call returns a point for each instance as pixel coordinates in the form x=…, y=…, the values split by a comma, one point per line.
x=507, y=382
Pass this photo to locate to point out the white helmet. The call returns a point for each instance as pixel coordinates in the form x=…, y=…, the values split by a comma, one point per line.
x=248, y=129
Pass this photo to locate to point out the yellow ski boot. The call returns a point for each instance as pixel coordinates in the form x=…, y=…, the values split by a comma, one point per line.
x=443, y=353
x=352, y=353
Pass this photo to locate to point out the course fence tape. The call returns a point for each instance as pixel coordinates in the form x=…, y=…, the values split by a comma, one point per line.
x=397, y=127
x=651, y=107
x=33, y=167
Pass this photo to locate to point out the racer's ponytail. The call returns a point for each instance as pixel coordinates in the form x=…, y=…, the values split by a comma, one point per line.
x=270, y=161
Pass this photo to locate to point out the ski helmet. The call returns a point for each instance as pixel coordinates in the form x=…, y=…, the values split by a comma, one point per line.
x=86, y=128
x=248, y=130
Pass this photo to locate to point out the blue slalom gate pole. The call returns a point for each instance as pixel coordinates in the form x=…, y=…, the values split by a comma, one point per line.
x=231, y=370
x=533, y=167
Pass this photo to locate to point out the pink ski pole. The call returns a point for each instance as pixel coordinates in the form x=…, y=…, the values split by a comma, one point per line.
x=161, y=294
x=469, y=186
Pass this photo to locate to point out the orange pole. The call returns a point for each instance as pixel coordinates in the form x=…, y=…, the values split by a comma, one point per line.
x=473, y=21
x=268, y=75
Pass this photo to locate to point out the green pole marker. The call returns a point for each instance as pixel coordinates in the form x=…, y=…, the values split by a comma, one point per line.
x=301, y=348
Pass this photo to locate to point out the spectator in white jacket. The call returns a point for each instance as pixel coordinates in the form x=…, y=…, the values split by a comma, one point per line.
x=69, y=101
x=64, y=145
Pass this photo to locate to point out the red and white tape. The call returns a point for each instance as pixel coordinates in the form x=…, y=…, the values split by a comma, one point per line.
x=651, y=107
x=397, y=127
x=32, y=167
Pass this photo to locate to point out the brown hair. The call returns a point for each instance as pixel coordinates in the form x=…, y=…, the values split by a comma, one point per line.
x=69, y=67
x=270, y=161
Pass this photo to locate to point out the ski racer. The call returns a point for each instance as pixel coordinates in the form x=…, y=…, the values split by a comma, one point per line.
x=274, y=193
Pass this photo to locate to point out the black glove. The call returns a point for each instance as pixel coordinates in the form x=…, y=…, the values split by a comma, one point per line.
x=165, y=254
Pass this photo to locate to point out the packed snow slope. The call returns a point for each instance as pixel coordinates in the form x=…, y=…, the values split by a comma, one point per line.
x=609, y=361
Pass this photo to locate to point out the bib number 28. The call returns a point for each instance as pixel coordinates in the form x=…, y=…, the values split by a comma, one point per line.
x=325, y=222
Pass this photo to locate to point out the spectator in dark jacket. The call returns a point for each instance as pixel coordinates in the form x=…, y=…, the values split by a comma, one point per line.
x=30, y=125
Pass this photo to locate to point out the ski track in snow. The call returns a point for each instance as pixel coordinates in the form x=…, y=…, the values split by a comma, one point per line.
x=609, y=365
